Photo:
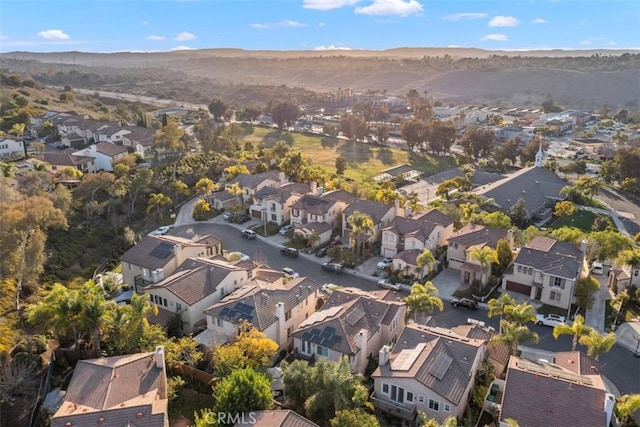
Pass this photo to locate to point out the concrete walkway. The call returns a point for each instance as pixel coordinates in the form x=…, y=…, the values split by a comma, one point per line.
x=609, y=212
x=595, y=316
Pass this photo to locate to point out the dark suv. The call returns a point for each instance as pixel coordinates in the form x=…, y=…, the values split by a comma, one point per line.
x=333, y=267
x=290, y=252
x=471, y=304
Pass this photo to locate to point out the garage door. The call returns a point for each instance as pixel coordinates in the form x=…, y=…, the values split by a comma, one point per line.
x=519, y=288
x=256, y=214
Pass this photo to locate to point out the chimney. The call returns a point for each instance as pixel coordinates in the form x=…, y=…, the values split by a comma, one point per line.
x=320, y=191
x=583, y=246
x=407, y=212
x=383, y=355
x=314, y=188
x=396, y=204
x=510, y=238
x=282, y=178
x=361, y=341
x=160, y=357
x=609, y=403
x=282, y=325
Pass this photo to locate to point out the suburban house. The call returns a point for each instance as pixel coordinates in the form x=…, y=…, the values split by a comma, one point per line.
x=157, y=257
x=194, y=286
x=60, y=160
x=140, y=139
x=12, y=148
x=497, y=353
x=273, y=418
x=104, y=153
x=621, y=277
x=461, y=244
x=352, y=323
x=429, y=369
x=567, y=392
x=273, y=204
x=538, y=186
x=427, y=231
x=271, y=303
x=381, y=214
x=319, y=213
x=251, y=184
x=222, y=200
x=546, y=270
x=129, y=390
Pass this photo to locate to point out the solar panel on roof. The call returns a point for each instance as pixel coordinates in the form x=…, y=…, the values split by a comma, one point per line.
x=354, y=316
x=163, y=251
x=441, y=366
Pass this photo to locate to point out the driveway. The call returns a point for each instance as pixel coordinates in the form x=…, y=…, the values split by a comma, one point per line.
x=447, y=282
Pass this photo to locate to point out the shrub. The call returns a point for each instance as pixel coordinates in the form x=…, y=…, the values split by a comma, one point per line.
x=36, y=344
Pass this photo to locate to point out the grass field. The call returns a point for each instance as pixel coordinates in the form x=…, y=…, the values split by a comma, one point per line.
x=581, y=219
x=365, y=160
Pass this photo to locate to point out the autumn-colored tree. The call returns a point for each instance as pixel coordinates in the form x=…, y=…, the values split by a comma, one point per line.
x=565, y=208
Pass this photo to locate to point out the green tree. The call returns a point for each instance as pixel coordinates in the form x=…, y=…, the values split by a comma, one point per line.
x=597, y=343
x=629, y=257
x=519, y=213
x=520, y=314
x=171, y=145
x=242, y=391
x=423, y=299
x=341, y=165
x=577, y=330
x=217, y=107
x=585, y=288
x=504, y=255
x=182, y=351
x=513, y=334
x=204, y=187
x=498, y=306
x=607, y=244
x=425, y=259
x=362, y=228
x=485, y=256
x=354, y=418
x=565, y=208
x=626, y=408
x=201, y=210
x=571, y=192
x=448, y=422
x=179, y=188
x=137, y=184
x=158, y=201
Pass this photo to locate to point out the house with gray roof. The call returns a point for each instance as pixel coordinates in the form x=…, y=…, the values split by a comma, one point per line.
x=430, y=370
x=320, y=208
x=270, y=302
x=155, y=257
x=60, y=160
x=104, y=153
x=538, y=186
x=546, y=270
x=381, y=214
x=129, y=390
x=352, y=323
x=568, y=392
x=274, y=418
x=426, y=231
x=273, y=204
x=251, y=184
x=195, y=285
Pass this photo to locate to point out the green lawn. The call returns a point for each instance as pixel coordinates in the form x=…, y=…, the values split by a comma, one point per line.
x=582, y=220
x=364, y=159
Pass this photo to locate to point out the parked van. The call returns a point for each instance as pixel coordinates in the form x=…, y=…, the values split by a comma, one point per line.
x=597, y=268
x=248, y=234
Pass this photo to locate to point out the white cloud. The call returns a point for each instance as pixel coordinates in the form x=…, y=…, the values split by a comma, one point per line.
x=495, y=38
x=612, y=43
x=184, y=36
x=152, y=37
x=287, y=23
x=145, y=22
x=503, y=21
x=181, y=48
x=585, y=42
x=327, y=4
x=321, y=24
x=53, y=35
x=581, y=23
x=331, y=47
x=461, y=16
x=391, y=7
x=3, y=37
x=539, y=21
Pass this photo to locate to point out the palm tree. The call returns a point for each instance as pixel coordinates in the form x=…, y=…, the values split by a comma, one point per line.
x=521, y=313
x=629, y=257
x=513, y=334
x=361, y=226
x=598, y=343
x=158, y=201
x=498, y=306
x=570, y=192
x=96, y=313
x=485, y=256
x=448, y=422
x=423, y=299
x=425, y=259
x=313, y=238
x=626, y=407
x=578, y=329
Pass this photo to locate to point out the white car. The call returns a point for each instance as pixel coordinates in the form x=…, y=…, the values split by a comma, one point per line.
x=327, y=288
x=290, y=273
x=388, y=284
x=385, y=263
x=161, y=231
x=284, y=230
x=597, y=268
x=550, y=320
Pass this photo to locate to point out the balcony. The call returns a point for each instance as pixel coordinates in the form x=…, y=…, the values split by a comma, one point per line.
x=140, y=282
x=405, y=412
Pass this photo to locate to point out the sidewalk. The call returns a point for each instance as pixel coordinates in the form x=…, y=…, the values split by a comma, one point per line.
x=629, y=336
x=609, y=212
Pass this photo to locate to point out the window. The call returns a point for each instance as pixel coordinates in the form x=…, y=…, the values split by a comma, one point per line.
x=178, y=306
x=295, y=212
x=635, y=273
x=519, y=269
x=455, y=246
x=558, y=282
x=274, y=217
x=555, y=296
x=530, y=271
x=306, y=347
x=447, y=407
x=385, y=388
x=164, y=302
x=289, y=331
x=218, y=322
x=397, y=394
x=322, y=351
x=421, y=399
x=223, y=291
x=287, y=315
x=409, y=397
x=434, y=405
x=150, y=297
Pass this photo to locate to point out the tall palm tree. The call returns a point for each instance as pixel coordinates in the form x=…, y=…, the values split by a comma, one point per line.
x=313, y=238
x=498, y=306
x=361, y=227
x=485, y=256
x=157, y=201
x=97, y=313
x=626, y=407
x=423, y=299
x=425, y=259
x=521, y=313
x=570, y=192
x=598, y=343
x=578, y=329
x=513, y=334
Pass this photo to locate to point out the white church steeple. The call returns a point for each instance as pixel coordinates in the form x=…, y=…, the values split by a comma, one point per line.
x=539, y=156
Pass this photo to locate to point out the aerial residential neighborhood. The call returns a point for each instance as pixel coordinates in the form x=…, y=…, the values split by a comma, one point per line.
x=331, y=234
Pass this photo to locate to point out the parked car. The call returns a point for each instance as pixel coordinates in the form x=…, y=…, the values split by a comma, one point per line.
x=242, y=218
x=327, y=288
x=290, y=252
x=284, y=230
x=597, y=268
x=228, y=216
x=333, y=267
x=469, y=303
x=290, y=273
x=550, y=320
x=161, y=231
x=388, y=284
x=248, y=234
x=385, y=263
x=321, y=252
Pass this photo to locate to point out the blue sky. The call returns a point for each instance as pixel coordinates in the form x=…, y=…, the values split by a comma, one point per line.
x=148, y=25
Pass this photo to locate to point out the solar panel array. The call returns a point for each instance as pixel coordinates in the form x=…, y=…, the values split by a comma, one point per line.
x=354, y=316
x=326, y=337
x=163, y=251
x=406, y=358
x=239, y=311
x=441, y=366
